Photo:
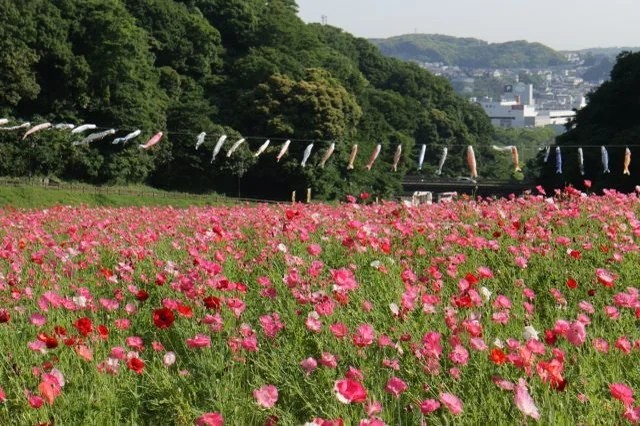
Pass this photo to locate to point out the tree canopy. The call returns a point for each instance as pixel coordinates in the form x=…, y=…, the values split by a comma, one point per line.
x=244, y=68
x=469, y=52
x=610, y=119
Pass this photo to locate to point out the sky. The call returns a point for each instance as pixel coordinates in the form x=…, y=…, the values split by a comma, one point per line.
x=560, y=24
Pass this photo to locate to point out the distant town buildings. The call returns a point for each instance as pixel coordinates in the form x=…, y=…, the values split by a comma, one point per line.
x=551, y=100
x=517, y=108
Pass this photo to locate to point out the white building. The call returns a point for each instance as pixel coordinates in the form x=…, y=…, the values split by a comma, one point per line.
x=517, y=109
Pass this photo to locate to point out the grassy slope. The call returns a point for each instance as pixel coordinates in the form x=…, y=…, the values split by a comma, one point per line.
x=39, y=197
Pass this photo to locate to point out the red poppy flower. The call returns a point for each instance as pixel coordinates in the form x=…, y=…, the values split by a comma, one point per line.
x=103, y=331
x=142, y=295
x=84, y=326
x=136, y=365
x=185, y=311
x=163, y=318
x=571, y=283
x=212, y=302
x=50, y=341
x=497, y=356
x=4, y=316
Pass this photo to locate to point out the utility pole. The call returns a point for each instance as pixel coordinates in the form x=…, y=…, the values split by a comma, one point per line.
x=324, y=19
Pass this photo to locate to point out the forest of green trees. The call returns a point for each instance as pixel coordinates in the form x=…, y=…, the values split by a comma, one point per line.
x=244, y=68
x=611, y=119
x=252, y=69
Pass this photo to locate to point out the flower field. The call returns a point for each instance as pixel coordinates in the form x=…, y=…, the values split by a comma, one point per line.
x=469, y=312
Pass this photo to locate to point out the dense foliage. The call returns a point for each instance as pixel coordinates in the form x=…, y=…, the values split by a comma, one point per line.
x=610, y=119
x=242, y=68
x=469, y=52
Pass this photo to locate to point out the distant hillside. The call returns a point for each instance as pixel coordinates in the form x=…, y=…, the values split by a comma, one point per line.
x=610, y=52
x=469, y=52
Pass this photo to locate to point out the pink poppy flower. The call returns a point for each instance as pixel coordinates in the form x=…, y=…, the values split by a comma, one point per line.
x=354, y=374
x=210, y=419
x=623, y=344
x=521, y=262
x=605, y=277
x=364, y=335
x=199, y=341
x=500, y=317
x=485, y=272
x=349, y=391
x=621, y=392
x=459, y=355
x=577, y=333
x=35, y=401
x=524, y=402
x=632, y=415
x=429, y=406
x=328, y=360
x=339, y=330
x=309, y=365
x=452, y=402
x=372, y=408
x=503, y=383
x=600, y=345
x=395, y=386
x=477, y=344
x=266, y=396
x=313, y=322
x=117, y=352
x=38, y=320
x=135, y=343
x=612, y=312
x=314, y=249
x=169, y=359
x=344, y=280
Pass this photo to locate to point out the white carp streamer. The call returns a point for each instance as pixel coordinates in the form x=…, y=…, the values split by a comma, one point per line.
x=327, y=155
x=262, y=148
x=471, y=162
x=95, y=137
x=374, y=156
x=283, y=150
x=396, y=158
x=200, y=139
x=581, y=161
x=83, y=128
x=423, y=152
x=547, y=151
x=558, y=161
x=35, y=129
x=234, y=147
x=604, y=156
x=352, y=157
x=18, y=127
x=627, y=161
x=64, y=126
x=127, y=138
x=443, y=158
x=151, y=142
x=218, y=147
x=306, y=155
